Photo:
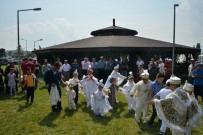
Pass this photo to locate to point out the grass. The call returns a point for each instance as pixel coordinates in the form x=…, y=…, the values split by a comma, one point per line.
x=19, y=118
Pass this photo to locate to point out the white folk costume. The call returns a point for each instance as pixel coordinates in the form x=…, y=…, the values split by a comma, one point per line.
x=126, y=91
x=114, y=74
x=140, y=92
x=89, y=85
x=71, y=96
x=54, y=96
x=99, y=101
x=76, y=85
x=196, y=122
x=177, y=110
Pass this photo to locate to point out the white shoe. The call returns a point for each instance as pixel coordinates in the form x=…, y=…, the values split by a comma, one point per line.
x=137, y=120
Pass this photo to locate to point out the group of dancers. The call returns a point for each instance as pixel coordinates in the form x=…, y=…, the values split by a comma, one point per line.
x=176, y=107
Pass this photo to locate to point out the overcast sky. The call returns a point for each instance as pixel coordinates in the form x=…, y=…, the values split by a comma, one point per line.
x=62, y=21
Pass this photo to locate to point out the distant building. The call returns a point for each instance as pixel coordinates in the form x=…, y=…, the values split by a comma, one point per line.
x=115, y=42
x=2, y=52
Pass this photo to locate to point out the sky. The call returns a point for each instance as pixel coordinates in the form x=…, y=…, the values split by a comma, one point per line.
x=62, y=21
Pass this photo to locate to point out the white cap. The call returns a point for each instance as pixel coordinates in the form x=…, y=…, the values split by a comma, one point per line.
x=188, y=87
x=100, y=83
x=75, y=72
x=130, y=75
x=168, y=81
x=116, y=67
x=83, y=77
x=175, y=80
x=71, y=83
x=116, y=59
x=90, y=68
x=145, y=75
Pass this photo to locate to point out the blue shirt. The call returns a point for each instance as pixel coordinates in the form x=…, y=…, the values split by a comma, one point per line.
x=197, y=80
x=155, y=87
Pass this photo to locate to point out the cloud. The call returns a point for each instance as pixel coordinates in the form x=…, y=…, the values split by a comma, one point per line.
x=55, y=31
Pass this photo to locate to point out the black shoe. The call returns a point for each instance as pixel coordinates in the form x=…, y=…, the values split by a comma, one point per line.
x=59, y=107
x=161, y=133
x=54, y=109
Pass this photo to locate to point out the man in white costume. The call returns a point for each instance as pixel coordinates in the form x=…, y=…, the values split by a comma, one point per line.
x=126, y=90
x=176, y=110
x=99, y=101
x=89, y=85
x=196, y=122
x=140, y=92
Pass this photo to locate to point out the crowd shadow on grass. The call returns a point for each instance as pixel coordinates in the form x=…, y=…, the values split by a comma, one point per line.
x=120, y=107
x=68, y=112
x=129, y=114
x=23, y=107
x=154, y=130
x=48, y=120
x=104, y=120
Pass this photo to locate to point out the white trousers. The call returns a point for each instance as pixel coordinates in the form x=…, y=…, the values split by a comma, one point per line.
x=163, y=127
x=141, y=107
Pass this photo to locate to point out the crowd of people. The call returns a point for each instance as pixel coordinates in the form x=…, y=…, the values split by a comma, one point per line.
x=100, y=81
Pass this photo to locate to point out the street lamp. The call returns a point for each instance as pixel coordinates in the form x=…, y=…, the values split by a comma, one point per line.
x=37, y=41
x=18, y=11
x=26, y=44
x=174, y=28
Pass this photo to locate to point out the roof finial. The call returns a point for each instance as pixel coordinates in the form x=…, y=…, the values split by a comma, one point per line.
x=114, y=22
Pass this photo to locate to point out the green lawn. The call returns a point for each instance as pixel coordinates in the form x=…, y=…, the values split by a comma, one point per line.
x=17, y=117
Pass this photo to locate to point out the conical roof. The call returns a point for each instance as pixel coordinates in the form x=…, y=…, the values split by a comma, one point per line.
x=114, y=30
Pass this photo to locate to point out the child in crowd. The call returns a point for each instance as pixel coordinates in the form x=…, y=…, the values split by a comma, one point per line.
x=24, y=86
x=126, y=90
x=12, y=81
x=112, y=92
x=71, y=94
x=99, y=101
x=29, y=81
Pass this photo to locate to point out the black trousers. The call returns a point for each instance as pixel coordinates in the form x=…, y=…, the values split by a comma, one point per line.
x=101, y=73
x=30, y=93
x=154, y=114
x=198, y=91
x=77, y=94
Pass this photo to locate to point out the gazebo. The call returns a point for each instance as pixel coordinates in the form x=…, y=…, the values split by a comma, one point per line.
x=116, y=42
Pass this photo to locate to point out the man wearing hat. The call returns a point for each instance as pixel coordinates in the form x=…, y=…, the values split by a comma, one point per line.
x=190, y=69
x=197, y=74
x=99, y=101
x=140, y=92
x=196, y=122
x=89, y=84
x=127, y=88
x=176, y=110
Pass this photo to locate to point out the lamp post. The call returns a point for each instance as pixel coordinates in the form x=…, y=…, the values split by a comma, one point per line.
x=18, y=37
x=26, y=45
x=174, y=28
x=37, y=41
